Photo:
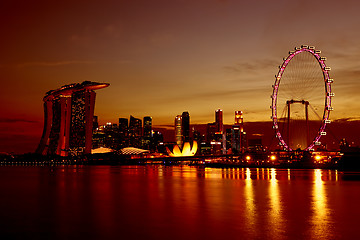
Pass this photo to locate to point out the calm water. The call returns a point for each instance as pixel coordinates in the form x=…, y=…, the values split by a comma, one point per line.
x=157, y=202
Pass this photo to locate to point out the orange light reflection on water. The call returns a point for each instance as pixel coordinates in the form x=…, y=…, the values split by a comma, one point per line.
x=275, y=214
x=320, y=211
x=250, y=213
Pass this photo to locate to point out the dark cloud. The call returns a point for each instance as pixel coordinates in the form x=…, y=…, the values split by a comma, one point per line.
x=252, y=66
x=53, y=64
x=16, y=120
x=217, y=94
x=346, y=120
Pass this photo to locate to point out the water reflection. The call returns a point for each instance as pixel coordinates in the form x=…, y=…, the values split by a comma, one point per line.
x=275, y=214
x=321, y=218
x=250, y=212
x=161, y=202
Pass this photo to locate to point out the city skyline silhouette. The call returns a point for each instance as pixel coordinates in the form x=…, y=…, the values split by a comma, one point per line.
x=165, y=58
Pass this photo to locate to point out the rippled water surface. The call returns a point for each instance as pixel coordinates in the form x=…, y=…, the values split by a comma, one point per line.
x=179, y=202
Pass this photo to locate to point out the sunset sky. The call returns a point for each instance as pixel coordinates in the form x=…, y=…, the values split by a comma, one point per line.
x=165, y=57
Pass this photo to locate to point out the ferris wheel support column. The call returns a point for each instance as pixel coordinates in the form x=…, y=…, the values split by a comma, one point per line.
x=307, y=123
x=288, y=120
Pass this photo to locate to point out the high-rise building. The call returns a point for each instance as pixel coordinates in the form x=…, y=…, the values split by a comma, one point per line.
x=111, y=132
x=69, y=119
x=239, y=120
x=239, y=138
x=147, y=132
x=157, y=144
x=123, y=132
x=220, y=133
x=178, y=130
x=211, y=131
x=197, y=136
x=135, y=130
x=228, y=137
x=185, y=126
x=235, y=138
x=219, y=120
x=147, y=127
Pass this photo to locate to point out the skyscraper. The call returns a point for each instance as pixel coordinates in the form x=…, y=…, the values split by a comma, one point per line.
x=178, y=130
x=220, y=131
x=228, y=133
x=123, y=132
x=135, y=130
x=147, y=132
x=219, y=120
x=147, y=127
x=111, y=132
x=239, y=136
x=235, y=138
x=185, y=126
x=211, y=131
x=68, y=119
x=239, y=120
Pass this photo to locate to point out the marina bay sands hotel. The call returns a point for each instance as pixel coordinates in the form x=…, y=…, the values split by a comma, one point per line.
x=68, y=119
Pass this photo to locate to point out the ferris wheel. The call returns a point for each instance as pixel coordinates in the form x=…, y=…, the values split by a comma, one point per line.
x=301, y=99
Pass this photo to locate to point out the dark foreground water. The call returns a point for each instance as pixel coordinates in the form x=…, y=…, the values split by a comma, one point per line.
x=181, y=202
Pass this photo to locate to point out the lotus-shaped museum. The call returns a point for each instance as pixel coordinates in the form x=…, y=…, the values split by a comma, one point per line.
x=186, y=151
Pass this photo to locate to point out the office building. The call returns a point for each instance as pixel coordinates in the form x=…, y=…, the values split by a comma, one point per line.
x=178, y=130
x=135, y=131
x=219, y=121
x=123, y=130
x=147, y=136
x=235, y=138
x=239, y=143
x=220, y=132
x=185, y=126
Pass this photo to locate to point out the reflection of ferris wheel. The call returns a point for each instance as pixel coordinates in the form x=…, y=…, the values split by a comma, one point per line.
x=298, y=95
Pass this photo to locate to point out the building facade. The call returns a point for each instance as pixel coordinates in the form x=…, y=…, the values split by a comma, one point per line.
x=147, y=135
x=69, y=119
x=219, y=121
x=220, y=133
x=123, y=132
x=178, y=130
x=135, y=131
x=185, y=126
x=239, y=143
